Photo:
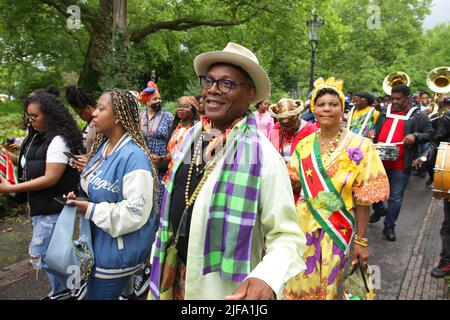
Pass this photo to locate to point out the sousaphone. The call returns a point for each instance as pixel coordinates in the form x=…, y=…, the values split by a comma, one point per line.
x=438, y=81
x=394, y=79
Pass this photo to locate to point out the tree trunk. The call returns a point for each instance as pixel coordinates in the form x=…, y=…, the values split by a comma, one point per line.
x=120, y=15
x=100, y=41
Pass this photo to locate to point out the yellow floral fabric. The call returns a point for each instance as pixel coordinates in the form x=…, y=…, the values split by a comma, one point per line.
x=363, y=112
x=360, y=183
x=358, y=119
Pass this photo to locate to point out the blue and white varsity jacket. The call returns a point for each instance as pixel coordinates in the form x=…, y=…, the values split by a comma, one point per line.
x=120, y=192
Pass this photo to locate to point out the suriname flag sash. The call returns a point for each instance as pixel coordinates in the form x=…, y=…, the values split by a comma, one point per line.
x=323, y=200
x=6, y=167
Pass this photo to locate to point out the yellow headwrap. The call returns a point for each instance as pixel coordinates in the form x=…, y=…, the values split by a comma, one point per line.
x=330, y=83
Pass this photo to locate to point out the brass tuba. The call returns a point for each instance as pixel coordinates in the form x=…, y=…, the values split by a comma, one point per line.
x=394, y=79
x=438, y=80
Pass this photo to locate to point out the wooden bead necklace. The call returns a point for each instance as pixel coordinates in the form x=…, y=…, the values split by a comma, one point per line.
x=209, y=167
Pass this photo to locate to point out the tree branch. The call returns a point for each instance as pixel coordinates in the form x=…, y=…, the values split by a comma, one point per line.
x=187, y=23
x=59, y=6
x=180, y=24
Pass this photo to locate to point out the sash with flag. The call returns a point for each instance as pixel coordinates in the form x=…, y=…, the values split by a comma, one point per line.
x=323, y=200
x=6, y=166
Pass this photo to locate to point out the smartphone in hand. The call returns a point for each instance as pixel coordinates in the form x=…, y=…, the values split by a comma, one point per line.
x=71, y=156
x=63, y=200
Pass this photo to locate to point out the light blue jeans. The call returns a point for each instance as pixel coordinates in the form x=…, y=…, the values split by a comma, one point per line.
x=43, y=227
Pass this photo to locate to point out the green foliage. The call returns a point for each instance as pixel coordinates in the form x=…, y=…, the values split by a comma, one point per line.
x=10, y=108
x=170, y=106
x=37, y=49
x=120, y=65
x=11, y=120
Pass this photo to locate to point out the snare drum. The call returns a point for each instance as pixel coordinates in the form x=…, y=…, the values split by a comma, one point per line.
x=387, y=151
x=441, y=187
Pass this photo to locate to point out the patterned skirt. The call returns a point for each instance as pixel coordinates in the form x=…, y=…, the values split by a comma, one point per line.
x=324, y=261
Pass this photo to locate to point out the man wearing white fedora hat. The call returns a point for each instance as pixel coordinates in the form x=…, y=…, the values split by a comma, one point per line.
x=228, y=198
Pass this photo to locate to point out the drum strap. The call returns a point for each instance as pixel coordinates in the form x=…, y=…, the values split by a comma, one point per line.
x=391, y=132
x=396, y=118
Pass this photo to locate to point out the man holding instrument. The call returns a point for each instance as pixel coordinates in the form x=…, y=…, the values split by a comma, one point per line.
x=442, y=134
x=403, y=127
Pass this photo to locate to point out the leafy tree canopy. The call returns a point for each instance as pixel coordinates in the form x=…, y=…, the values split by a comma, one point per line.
x=114, y=48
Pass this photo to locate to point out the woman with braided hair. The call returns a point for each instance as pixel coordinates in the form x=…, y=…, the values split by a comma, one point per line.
x=120, y=183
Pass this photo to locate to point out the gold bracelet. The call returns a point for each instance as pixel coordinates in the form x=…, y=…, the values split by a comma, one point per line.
x=361, y=241
x=362, y=244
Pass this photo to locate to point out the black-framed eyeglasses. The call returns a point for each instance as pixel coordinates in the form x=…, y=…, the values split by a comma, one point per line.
x=224, y=86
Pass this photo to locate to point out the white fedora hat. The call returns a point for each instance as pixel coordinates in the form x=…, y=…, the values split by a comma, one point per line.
x=240, y=56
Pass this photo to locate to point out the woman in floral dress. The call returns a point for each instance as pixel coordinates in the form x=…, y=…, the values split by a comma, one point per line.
x=340, y=174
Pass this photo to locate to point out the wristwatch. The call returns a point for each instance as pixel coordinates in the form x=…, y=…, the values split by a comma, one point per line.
x=423, y=158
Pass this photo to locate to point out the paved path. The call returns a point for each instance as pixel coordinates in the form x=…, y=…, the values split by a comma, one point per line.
x=21, y=283
x=404, y=265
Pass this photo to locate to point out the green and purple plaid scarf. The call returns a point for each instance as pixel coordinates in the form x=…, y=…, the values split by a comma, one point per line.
x=233, y=209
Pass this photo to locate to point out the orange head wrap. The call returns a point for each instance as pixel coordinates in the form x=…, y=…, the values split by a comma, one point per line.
x=149, y=92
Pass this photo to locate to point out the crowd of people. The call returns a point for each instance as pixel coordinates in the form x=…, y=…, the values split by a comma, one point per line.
x=219, y=201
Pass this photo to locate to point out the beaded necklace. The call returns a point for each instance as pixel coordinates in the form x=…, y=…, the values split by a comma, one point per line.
x=195, y=159
x=332, y=145
x=209, y=167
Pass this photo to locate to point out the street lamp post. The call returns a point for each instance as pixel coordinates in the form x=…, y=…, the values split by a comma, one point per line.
x=313, y=32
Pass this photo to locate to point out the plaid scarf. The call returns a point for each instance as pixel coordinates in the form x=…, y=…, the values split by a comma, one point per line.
x=232, y=211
